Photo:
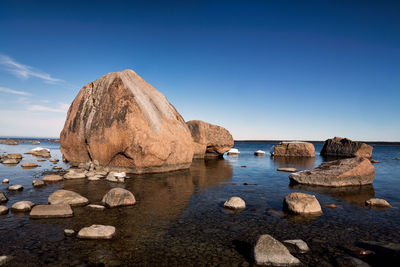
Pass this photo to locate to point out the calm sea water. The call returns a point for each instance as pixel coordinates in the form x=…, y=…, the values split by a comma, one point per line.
x=179, y=218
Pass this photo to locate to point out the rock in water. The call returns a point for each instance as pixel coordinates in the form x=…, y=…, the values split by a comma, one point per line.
x=209, y=140
x=67, y=197
x=3, y=198
x=40, y=152
x=97, y=232
x=297, y=246
x=38, y=183
x=378, y=202
x=22, y=206
x=343, y=147
x=51, y=211
x=3, y=210
x=123, y=122
x=269, y=251
x=118, y=197
x=293, y=149
x=300, y=203
x=235, y=203
x=52, y=178
x=343, y=172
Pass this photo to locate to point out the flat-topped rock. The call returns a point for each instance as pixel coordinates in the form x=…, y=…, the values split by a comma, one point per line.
x=96, y=207
x=117, y=177
x=287, y=169
x=52, y=178
x=40, y=152
x=10, y=158
x=293, y=149
x=16, y=187
x=270, y=252
x=29, y=165
x=57, y=168
x=343, y=147
x=300, y=203
x=235, y=203
x=378, y=202
x=209, y=140
x=118, y=197
x=54, y=160
x=51, y=211
x=69, y=232
x=22, y=206
x=124, y=123
x=67, y=197
x=97, y=232
x=3, y=210
x=343, y=172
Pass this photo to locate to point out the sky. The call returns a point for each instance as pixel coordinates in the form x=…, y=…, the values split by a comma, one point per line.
x=265, y=70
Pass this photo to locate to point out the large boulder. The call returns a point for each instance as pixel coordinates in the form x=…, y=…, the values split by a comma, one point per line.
x=293, y=149
x=342, y=172
x=209, y=140
x=343, y=147
x=124, y=123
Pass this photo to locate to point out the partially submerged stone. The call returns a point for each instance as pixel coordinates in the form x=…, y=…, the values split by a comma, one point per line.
x=118, y=197
x=300, y=203
x=40, y=152
x=67, y=197
x=54, y=160
x=69, y=232
x=343, y=172
x=293, y=149
x=75, y=174
x=5, y=181
x=343, y=147
x=16, y=187
x=10, y=158
x=38, y=183
x=97, y=232
x=22, y=206
x=233, y=151
x=296, y=246
x=96, y=207
x=29, y=165
x=287, y=169
x=378, y=202
x=51, y=211
x=235, y=203
x=117, y=177
x=3, y=210
x=259, y=153
x=3, y=198
x=52, y=178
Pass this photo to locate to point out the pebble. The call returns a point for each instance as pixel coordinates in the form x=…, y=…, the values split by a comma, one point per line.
x=69, y=232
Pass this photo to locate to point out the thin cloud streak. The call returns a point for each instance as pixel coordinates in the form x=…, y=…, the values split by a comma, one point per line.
x=24, y=71
x=63, y=108
x=11, y=91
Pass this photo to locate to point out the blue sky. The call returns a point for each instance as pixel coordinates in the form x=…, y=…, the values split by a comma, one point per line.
x=300, y=70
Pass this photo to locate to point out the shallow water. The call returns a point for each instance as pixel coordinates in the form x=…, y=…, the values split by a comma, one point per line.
x=179, y=218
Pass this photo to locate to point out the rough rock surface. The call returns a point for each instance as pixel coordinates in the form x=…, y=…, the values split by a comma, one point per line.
x=378, y=202
x=97, y=231
x=10, y=158
x=75, y=174
x=343, y=147
x=118, y=197
x=124, y=123
x=51, y=211
x=293, y=149
x=22, y=206
x=52, y=178
x=343, y=172
x=235, y=203
x=209, y=140
x=269, y=251
x=67, y=197
x=300, y=203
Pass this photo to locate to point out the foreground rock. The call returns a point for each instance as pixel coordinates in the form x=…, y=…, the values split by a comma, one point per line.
x=16, y=187
x=118, y=197
x=378, y=202
x=209, y=140
x=123, y=122
x=52, y=178
x=40, y=152
x=51, y=211
x=269, y=251
x=235, y=203
x=286, y=169
x=67, y=197
x=22, y=206
x=3, y=198
x=97, y=232
x=293, y=149
x=296, y=246
x=300, y=203
x=343, y=147
x=3, y=210
x=343, y=172
x=11, y=158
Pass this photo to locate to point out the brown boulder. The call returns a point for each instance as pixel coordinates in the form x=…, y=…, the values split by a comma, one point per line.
x=29, y=165
x=342, y=172
x=209, y=140
x=343, y=147
x=123, y=122
x=40, y=152
x=294, y=149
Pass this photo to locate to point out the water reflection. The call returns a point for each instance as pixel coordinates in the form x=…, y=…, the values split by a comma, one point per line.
x=294, y=162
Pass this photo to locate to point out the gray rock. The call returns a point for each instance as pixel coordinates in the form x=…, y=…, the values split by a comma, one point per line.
x=3, y=210
x=67, y=197
x=16, y=187
x=296, y=246
x=51, y=211
x=269, y=251
x=22, y=206
x=38, y=183
x=118, y=197
x=300, y=203
x=3, y=198
x=97, y=232
x=235, y=203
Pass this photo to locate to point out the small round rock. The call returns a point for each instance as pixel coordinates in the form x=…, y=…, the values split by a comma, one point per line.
x=38, y=183
x=69, y=232
x=3, y=210
x=5, y=181
x=16, y=187
x=235, y=203
x=378, y=202
x=22, y=206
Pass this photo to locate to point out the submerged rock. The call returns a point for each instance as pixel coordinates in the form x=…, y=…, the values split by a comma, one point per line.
x=118, y=197
x=209, y=140
x=3, y=198
x=51, y=211
x=3, y=210
x=67, y=197
x=343, y=172
x=378, y=202
x=96, y=207
x=29, y=165
x=300, y=203
x=52, y=178
x=40, y=152
x=296, y=246
x=270, y=252
x=293, y=149
x=348, y=261
x=69, y=232
x=123, y=122
x=97, y=232
x=22, y=206
x=235, y=203
x=343, y=147
x=16, y=187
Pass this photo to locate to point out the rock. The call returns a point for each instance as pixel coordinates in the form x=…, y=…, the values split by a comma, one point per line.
x=123, y=122
x=11, y=158
x=3, y=198
x=343, y=172
x=3, y=210
x=5, y=181
x=22, y=206
x=29, y=165
x=296, y=246
x=75, y=174
x=375, y=161
x=348, y=261
x=51, y=211
x=57, y=168
x=343, y=147
x=96, y=207
x=52, y=178
x=69, y=232
x=10, y=161
x=300, y=203
x=40, y=152
x=36, y=143
x=286, y=169
x=54, y=160
x=235, y=203
x=293, y=149
x=209, y=140
x=118, y=197
x=16, y=187
x=5, y=259
x=67, y=197
x=118, y=177
x=94, y=178
x=38, y=183
x=97, y=232
x=331, y=206
x=41, y=160
x=11, y=142
x=358, y=252
x=269, y=251
x=259, y=153
x=233, y=151
x=378, y=202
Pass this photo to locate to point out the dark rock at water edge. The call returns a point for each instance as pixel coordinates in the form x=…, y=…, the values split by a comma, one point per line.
x=343, y=147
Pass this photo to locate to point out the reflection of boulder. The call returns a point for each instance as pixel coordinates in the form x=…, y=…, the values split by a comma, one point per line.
x=296, y=162
x=356, y=195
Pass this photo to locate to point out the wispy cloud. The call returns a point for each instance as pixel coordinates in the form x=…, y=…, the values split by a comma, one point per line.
x=24, y=71
x=11, y=91
x=62, y=108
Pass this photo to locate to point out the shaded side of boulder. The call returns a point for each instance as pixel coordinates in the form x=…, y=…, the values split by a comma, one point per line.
x=209, y=140
x=293, y=149
x=343, y=147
